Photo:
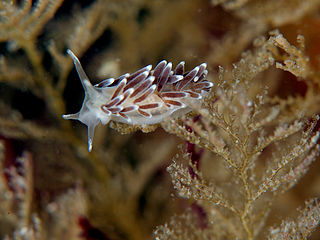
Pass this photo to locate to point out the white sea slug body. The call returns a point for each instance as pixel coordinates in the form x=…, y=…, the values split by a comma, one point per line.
x=141, y=98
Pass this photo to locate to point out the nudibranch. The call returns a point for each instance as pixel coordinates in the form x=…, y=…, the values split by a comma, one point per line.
x=141, y=98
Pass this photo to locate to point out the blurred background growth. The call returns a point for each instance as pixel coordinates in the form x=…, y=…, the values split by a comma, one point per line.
x=257, y=131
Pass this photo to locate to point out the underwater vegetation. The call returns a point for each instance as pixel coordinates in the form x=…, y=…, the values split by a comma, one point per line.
x=241, y=163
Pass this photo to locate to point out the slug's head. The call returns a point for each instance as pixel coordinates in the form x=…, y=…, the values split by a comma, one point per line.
x=90, y=113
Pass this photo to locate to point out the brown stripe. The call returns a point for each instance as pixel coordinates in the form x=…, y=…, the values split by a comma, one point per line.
x=122, y=77
x=142, y=87
x=202, y=67
x=148, y=106
x=145, y=114
x=202, y=85
x=203, y=75
x=114, y=110
x=136, y=81
x=158, y=69
x=119, y=88
x=125, y=96
x=188, y=78
x=193, y=94
x=179, y=69
x=164, y=77
x=105, y=110
x=128, y=109
x=206, y=89
x=172, y=102
x=175, y=78
x=173, y=94
x=123, y=115
x=113, y=102
x=145, y=95
x=133, y=75
x=105, y=83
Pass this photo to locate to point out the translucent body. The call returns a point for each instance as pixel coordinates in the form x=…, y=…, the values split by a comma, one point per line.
x=141, y=98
